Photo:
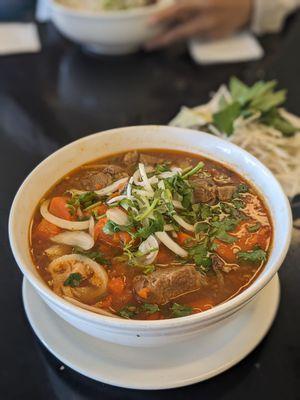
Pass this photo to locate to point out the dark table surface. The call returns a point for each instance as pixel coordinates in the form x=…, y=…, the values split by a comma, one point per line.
x=50, y=99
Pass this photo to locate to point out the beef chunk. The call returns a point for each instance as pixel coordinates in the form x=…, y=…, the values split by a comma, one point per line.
x=131, y=158
x=205, y=190
x=225, y=193
x=97, y=178
x=115, y=171
x=94, y=180
x=167, y=283
x=147, y=159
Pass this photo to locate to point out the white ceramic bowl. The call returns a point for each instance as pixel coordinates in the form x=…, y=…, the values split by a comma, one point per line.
x=107, y=32
x=146, y=333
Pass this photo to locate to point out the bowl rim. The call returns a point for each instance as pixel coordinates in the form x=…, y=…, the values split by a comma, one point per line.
x=208, y=315
x=110, y=14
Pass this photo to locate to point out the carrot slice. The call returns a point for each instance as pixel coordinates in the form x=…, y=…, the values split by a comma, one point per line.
x=118, y=239
x=59, y=207
x=45, y=230
x=116, y=286
x=183, y=238
x=143, y=293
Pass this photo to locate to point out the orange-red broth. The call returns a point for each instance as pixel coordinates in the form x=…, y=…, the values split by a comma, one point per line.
x=121, y=274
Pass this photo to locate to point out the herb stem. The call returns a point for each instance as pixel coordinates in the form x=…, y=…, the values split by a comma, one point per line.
x=148, y=211
x=193, y=171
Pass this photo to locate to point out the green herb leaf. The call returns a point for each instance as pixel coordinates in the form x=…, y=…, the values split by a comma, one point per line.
x=238, y=204
x=225, y=118
x=73, y=280
x=274, y=119
x=128, y=312
x=180, y=310
x=242, y=188
x=150, y=308
x=156, y=225
x=93, y=255
x=253, y=256
x=201, y=257
x=254, y=228
x=111, y=228
x=201, y=227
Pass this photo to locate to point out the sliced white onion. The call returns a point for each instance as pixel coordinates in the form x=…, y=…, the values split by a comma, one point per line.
x=117, y=198
x=168, y=228
x=183, y=223
x=161, y=185
x=78, y=239
x=90, y=308
x=177, y=204
x=144, y=193
x=170, y=244
x=144, y=177
x=92, y=227
x=177, y=170
x=62, y=223
x=136, y=177
x=149, y=247
x=112, y=188
x=117, y=216
x=169, y=174
x=129, y=187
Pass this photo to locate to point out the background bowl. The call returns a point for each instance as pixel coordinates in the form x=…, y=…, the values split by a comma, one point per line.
x=146, y=333
x=107, y=32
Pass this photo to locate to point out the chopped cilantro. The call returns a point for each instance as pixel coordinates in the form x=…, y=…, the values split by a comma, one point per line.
x=254, y=256
x=238, y=203
x=93, y=255
x=83, y=200
x=201, y=257
x=150, y=308
x=128, y=312
x=160, y=168
x=111, y=228
x=180, y=310
x=201, y=227
x=242, y=188
x=156, y=225
x=73, y=280
x=254, y=228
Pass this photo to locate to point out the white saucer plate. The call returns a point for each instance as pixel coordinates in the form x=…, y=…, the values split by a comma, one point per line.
x=165, y=367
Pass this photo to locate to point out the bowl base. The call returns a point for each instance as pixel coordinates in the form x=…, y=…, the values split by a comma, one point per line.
x=111, y=50
x=164, y=367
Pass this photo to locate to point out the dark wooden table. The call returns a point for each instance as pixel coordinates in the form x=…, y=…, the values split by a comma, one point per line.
x=61, y=94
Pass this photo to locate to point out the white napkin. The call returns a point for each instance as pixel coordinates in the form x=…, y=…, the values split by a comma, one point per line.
x=240, y=47
x=43, y=10
x=19, y=38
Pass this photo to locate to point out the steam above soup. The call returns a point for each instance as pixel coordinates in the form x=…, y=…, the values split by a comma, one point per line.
x=150, y=235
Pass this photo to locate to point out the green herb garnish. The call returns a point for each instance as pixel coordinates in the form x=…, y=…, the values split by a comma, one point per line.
x=261, y=100
x=73, y=280
x=254, y=256
x=179, y=310
x=254, y=228
x=128, y=312
x=150, y=308
x=93, y=255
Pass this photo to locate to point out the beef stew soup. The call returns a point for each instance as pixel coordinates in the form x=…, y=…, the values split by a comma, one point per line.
x=150, y=235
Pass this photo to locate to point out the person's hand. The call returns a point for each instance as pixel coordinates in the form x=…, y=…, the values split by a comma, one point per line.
x=205, y=18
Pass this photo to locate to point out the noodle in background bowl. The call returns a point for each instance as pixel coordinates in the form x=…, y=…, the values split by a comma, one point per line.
x=107, y=32
x=160, y=332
